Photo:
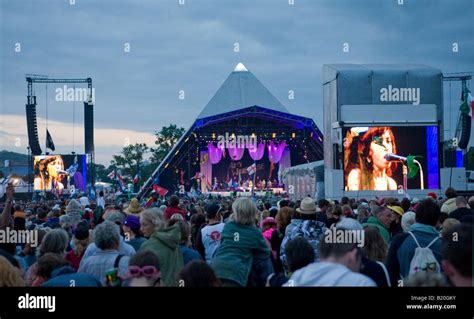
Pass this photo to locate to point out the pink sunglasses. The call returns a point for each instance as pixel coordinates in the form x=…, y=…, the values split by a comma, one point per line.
x=147, y=271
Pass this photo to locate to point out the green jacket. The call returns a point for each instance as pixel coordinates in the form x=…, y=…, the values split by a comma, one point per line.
x=165, y=243
x=375, y=222
x=240, y=247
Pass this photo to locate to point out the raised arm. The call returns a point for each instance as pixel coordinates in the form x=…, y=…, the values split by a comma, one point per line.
x=5, y=220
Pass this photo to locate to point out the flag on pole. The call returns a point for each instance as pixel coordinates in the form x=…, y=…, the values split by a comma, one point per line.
x=49, y=141
x=160, y=190
x=252, y=168
x=136, y=179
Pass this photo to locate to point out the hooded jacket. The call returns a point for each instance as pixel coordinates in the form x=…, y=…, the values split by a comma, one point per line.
x=449, y=205
x=328, y=274
x=242, y=249
x=165, y=243
x=375, y=222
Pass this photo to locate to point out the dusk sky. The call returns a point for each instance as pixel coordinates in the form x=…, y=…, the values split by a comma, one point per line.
x=190, y=47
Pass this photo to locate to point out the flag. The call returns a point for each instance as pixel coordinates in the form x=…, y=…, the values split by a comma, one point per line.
x=252, y=168
x=150, y=201
x=136, y=179
x=470, y=100
x=160, y=190
x=111, y=175
x=49, y=141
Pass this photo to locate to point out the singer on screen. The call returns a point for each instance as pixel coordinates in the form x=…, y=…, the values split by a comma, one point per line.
x=369, y=169
x=48, y=173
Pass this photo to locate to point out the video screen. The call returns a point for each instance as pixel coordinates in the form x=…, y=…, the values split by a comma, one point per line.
x=390, y=158
x=61, y=174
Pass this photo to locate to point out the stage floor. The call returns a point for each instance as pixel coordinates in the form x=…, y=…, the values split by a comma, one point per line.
x=247, y=192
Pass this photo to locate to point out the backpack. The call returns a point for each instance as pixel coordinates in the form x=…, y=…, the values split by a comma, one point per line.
x=423, y=259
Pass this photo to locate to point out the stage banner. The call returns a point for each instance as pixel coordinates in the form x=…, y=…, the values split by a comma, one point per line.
x=206, y=171
x=285, y=162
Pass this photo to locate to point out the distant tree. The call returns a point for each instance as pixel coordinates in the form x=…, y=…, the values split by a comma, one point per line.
x=469, y=161
x=131, y=159
x=165, y=141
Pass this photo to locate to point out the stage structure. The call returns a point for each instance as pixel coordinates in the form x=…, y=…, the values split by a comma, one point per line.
x=383, y=129
x=243, y=129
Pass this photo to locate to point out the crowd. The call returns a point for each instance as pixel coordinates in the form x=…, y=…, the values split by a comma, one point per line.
x=250, y=242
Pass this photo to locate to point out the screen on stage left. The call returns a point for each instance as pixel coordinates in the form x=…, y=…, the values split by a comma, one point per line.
x=368, y=167
x=59, y=173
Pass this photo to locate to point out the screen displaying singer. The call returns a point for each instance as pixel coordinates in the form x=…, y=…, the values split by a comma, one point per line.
x=371, y=170
x=375, y=157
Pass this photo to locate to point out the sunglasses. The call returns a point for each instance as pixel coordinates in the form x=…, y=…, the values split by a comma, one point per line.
x=147, y=271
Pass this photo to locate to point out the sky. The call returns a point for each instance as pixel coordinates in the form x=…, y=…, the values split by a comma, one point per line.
x=191, y=47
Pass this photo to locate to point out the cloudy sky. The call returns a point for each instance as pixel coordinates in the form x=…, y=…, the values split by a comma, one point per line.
x=190, y=47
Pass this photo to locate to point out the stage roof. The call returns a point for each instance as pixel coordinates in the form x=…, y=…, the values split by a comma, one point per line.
x=240, y=90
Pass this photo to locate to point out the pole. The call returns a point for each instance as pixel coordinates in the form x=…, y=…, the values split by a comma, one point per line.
x=422, y=185
x=254, y=177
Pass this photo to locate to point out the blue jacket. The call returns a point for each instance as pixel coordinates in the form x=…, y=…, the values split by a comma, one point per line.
x=66, y=277
x=424, y=234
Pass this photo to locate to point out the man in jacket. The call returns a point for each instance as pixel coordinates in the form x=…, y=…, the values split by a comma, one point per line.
x=381, y=219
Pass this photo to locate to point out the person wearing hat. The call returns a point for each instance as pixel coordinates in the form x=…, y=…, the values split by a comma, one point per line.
x=134, y=207
x=209, y=235
x=131, y=229
x=395, y=224
x=73, y=210
x=304, y=224
x=80, y=241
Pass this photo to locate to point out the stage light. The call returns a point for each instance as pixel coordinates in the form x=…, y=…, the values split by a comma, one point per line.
x=213, y=135
x=293, y=135
x=274, y=135
x=167, y=164
x=176, y=152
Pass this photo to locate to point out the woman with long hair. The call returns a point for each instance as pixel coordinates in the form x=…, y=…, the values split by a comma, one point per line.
x=48, y=173
x=370, y=170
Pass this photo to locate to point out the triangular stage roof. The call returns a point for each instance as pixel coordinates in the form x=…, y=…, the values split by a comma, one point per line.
x=241, y=103
x=241, y=89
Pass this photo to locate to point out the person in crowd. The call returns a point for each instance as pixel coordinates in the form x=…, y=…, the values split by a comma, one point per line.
x=450, y=204
x=447, y=226
x=10, y=275
x=174, y=208
x=373, y=249
x=107, y=238
x=347, y=211
x=283, y=219
x=81, y=240
x=461, y=210
x=55, y=241
x=101, y=200
x=363, y=213
x=208, y=238
x=339, y=266
x=243, y=257
x=198, y=274
x=299, y=254
x=422, y=233
x=134, y=208
x=73, y=210
x=84, y=201
x=381, y=219
x=395, y=224
x=456, y=255
x=268, y=226
x=407, y=220
x=334, y=215
x=164, y=241
x=323, y=206
x=189, y=254
x=143, y=270
x=303, y=224
x=131, y=230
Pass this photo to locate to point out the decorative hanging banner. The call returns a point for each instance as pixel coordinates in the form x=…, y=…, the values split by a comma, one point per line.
x=236, y=153
x=275, y=152
x=256, y=153
x=215, y=153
